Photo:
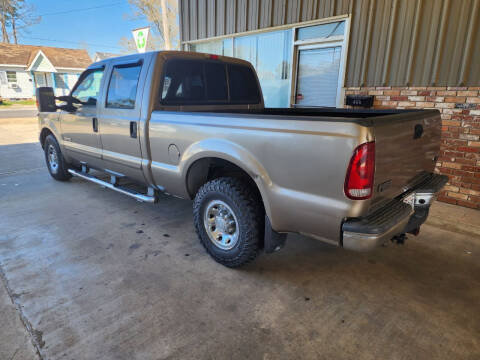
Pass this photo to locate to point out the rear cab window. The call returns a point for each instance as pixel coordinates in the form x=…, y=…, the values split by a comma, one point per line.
x=207, y=82
x=243, y=85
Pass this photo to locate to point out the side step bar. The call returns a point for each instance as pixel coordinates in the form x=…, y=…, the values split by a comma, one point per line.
x=151, y=197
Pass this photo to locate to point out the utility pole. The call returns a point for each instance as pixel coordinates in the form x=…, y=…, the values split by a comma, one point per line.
x=166, y=30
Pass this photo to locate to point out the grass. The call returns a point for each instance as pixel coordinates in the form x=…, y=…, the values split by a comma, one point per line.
x=17, y=102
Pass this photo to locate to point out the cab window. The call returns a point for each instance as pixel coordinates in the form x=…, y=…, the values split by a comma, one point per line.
x=122, y=89
x=204, y=82
x=243, y=85
x=88, y=89
x=184, y=82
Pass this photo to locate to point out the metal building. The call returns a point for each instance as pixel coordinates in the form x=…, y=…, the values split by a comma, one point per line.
x=298, y=44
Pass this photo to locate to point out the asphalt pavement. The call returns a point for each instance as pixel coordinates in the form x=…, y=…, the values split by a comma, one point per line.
x=15, y=111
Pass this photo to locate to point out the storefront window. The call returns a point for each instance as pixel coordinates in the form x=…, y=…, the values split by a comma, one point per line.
x=318, y=51
x=217, y=47
x=269, y=53
x=321, y=31
x=273, y=67
x=245, y=48
x=228, y=47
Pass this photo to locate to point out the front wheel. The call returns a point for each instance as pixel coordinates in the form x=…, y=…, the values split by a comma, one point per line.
x=55, y=162
x=228, y=218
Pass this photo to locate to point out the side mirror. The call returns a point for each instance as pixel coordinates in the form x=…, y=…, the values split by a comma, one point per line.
x=69, y=101
x=45, y=99
x=64, y=98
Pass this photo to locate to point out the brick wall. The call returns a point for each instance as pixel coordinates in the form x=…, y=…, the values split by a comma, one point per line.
x=460, y=144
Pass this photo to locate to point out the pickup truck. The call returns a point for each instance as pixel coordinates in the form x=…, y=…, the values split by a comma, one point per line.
x=194, y=126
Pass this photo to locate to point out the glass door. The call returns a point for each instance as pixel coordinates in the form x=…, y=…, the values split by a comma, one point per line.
x=43, y=79
x=40, y=79
x=318, y=72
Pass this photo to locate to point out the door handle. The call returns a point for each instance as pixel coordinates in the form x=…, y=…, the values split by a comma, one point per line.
x=95, y=124
x=133, y=129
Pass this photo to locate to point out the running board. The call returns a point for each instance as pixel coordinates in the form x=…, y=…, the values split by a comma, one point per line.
x=151, y=197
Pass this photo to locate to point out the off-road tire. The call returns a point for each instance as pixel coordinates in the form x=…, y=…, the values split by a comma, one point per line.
x=246, y=205
x=60, y=170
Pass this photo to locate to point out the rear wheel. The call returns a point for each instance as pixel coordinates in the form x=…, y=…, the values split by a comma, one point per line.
x=55, y=162
x=229, y=219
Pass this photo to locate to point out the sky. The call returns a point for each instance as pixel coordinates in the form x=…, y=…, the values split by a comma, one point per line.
x=64, y=24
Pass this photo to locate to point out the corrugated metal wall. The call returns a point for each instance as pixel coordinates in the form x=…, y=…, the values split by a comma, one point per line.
x=208, y=18
x=414, y=42
x=392, y=42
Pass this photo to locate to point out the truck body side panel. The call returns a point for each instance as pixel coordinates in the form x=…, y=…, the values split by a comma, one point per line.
x=298, y=165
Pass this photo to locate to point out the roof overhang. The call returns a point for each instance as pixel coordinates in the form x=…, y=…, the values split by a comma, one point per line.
x=13, y=65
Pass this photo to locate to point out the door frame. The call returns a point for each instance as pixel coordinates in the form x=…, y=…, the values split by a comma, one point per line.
x=92, y=154
x=339, y=40
x=323, y=45
x=130, y=165
x=41, y=74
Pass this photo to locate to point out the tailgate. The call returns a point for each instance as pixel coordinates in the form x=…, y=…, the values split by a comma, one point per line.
x=406, y=149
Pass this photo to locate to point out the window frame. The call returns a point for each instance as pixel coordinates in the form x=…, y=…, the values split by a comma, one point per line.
x=139, y=62
x=333, y=41
x=14, y=73
x=205, y=102
x=315, y=46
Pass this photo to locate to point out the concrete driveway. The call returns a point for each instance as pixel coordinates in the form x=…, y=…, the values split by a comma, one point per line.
x=90, y=274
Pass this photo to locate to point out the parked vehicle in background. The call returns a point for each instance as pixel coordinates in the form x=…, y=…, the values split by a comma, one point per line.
x=194, y=126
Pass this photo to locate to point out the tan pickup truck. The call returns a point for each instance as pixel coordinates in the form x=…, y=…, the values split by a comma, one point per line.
x=194, y=126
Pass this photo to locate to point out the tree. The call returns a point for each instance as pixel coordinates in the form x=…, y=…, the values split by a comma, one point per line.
x=16, y=16
x=162, y=14
x=5, y=19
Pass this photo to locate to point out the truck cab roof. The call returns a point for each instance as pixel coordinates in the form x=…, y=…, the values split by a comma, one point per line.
x=172, y=54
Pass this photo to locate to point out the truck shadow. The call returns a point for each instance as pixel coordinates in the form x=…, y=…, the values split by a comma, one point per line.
x=430, y=267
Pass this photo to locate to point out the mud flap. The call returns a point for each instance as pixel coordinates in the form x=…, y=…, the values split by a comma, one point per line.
x=273, y=240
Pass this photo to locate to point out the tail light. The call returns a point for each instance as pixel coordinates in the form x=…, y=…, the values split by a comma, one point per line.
x=361, y=171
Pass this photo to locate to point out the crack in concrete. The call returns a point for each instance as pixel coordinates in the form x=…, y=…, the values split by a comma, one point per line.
x=26, y=323
x=14, y=354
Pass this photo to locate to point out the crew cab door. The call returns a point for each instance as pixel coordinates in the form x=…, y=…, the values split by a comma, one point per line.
x=80, y=127
x=119, y=118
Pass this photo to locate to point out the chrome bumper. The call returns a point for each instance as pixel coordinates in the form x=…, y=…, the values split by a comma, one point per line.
x=395, y=218
x=366, y=242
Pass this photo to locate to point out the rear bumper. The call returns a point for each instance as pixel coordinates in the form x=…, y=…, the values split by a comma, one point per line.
x=395, y=218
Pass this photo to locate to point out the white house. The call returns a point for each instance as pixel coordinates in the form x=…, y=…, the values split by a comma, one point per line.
x=25, y=67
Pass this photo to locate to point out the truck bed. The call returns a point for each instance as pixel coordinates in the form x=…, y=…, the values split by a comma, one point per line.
x=330, y=114
x=401, y=159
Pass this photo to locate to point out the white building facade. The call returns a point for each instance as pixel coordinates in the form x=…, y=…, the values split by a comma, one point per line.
x=23, y=68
